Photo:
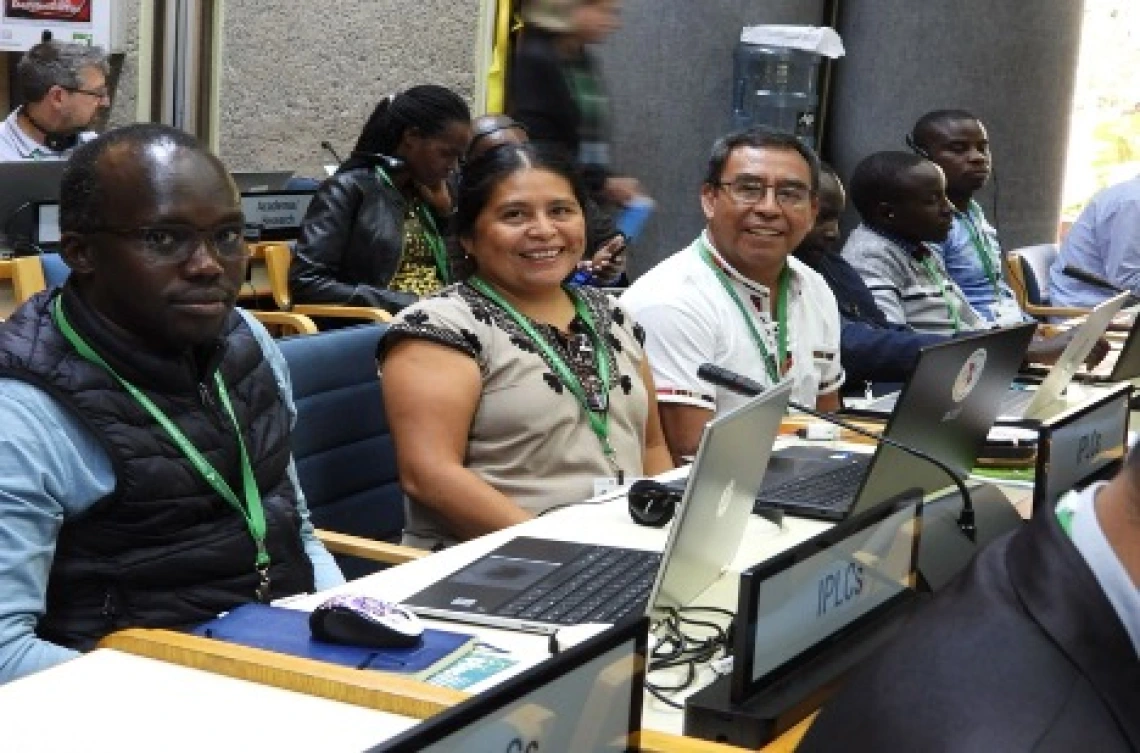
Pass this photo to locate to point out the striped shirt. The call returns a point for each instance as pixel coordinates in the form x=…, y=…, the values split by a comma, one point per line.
x=910, y=283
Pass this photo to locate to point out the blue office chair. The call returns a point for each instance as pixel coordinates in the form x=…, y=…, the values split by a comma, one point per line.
x=1027, y=270
x=346, y=460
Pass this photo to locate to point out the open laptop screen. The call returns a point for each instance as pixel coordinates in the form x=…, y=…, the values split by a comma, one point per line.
x=588, y=697
x=795, y=604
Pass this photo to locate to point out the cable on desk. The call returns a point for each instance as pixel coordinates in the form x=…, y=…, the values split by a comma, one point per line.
x=676, y=648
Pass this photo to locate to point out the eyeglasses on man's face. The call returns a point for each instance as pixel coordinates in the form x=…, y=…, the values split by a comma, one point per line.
x=177, y=243
x=100, y=94
x=750, y=192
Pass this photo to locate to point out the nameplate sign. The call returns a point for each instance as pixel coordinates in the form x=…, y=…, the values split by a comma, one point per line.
x=277, y=213
x=1077, y=445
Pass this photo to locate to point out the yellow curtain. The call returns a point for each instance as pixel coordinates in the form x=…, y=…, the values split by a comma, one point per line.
x=500, y=55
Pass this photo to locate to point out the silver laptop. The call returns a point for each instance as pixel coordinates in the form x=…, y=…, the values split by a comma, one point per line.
x=539, y=585
x=261, y=181
x=1043, y=401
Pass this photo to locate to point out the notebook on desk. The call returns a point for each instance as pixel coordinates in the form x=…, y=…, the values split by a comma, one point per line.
x=539, y=585
x=286, y=631
x=586, y=698
x=945, y=409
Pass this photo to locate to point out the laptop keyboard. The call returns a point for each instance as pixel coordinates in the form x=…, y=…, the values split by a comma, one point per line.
x=603, y=584
x=833, y=489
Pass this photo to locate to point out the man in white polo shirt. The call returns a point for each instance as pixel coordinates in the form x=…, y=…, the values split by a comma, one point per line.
x=63, y=86
x=736, y=297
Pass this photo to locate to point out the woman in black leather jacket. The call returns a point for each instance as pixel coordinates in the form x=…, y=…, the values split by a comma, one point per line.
x=373, y=234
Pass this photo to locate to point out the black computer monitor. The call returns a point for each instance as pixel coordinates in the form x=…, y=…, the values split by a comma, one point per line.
x=22, y=186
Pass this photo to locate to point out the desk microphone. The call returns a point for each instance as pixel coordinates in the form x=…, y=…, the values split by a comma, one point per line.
x=742, y=385
x=1096, y=281
x=329, y=148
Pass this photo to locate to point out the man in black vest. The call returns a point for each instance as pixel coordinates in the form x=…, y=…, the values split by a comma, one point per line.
x=145, y=472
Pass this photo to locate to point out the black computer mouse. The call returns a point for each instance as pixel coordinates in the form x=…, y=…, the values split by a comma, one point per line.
x=364, y=621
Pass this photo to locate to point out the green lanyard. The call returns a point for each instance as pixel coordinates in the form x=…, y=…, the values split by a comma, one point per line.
x=599, y=419
x=940, y=281
x=431, y=231
x=1065, y=518
x=584, y=88
x=772, y=365
x=981, y=245
x=252, y=511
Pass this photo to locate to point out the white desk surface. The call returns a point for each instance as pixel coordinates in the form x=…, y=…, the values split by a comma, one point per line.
x=604, y=523
x=111, y=701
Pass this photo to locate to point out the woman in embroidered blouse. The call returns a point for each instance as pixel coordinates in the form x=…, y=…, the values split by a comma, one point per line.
x=372, y=233
x=509, y=393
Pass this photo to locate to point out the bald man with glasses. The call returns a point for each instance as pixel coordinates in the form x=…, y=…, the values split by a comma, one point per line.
x=736, y=297
x=63, y=88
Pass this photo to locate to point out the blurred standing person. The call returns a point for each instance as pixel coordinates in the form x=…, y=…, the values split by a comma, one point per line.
x=555, y=89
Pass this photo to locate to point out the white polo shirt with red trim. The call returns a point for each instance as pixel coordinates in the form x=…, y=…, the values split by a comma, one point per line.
x=690, y=319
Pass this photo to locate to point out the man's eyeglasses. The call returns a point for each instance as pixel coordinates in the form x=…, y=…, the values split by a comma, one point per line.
x=788, y=195
x=99, y=94
x=177, y=243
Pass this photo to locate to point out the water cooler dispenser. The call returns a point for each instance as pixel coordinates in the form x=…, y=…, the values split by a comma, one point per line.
x=776, y=77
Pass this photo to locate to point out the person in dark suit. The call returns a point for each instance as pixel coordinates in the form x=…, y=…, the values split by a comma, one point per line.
x=1035, y=647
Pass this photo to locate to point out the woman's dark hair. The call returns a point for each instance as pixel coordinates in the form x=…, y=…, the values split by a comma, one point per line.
x=480, y=177
x=428, y=108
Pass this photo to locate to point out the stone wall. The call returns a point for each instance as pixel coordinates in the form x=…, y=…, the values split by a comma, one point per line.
x=298, y=73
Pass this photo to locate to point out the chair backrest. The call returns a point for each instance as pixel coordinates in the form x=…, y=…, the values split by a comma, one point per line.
x=256, y=287
x=20, y=279
x=346, y=460
x=278, y=257
x=55, y=269
x=1035, y=262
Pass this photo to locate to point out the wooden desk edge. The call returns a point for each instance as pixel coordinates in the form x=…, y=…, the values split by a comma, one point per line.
x=663, y=742
x=382, y=691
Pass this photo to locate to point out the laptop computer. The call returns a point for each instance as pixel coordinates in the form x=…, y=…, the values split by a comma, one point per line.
x=945, y=409
x=261, y=181
x=22, y=186
x=794, y=606
x=586, y=698
x=1121, y=365
x=1040, y=403
x=1021, y=400
x=539, y=585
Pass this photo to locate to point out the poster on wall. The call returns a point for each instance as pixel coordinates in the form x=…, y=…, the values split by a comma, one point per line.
x=23, y=22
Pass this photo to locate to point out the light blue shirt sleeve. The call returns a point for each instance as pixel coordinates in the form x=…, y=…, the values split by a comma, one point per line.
x=1105, y=240
x=1121, y=234
x=50, y=469
x=326, y=573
